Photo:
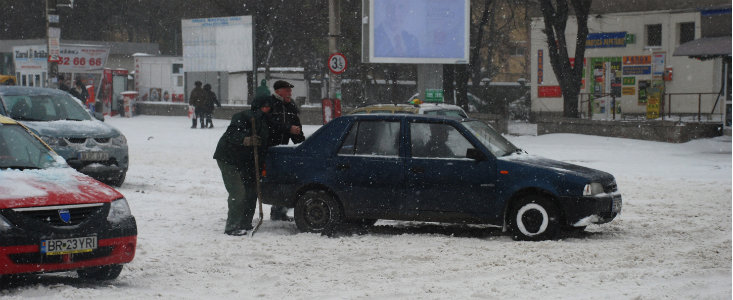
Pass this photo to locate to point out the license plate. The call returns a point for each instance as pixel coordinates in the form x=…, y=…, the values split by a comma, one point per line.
x=93, y=156
x=68, y=246
x=616, y=206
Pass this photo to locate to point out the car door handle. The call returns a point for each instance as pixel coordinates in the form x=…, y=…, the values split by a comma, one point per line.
x=417, y=170
x=343, y=166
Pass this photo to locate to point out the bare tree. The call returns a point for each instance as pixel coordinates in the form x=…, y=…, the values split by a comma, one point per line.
x=556, y=19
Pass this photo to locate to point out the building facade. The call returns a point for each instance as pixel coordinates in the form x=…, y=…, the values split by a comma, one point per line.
x=629, y=67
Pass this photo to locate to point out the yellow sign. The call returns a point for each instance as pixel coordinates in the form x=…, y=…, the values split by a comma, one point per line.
x=628, y=91
x=652, y=108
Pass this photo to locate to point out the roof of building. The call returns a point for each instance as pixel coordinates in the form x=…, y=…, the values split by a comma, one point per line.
x=116, y=48
x=705, y=47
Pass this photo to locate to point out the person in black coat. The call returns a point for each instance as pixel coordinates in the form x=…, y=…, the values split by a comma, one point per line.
x=79, y=91
x=284, y=125
x=209, y=105
x=235, y=157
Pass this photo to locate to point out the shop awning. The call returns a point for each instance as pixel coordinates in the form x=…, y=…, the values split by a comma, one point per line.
x=705, y=47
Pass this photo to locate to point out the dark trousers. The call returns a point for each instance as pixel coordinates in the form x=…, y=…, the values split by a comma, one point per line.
x=242, y=198
x=200, y=113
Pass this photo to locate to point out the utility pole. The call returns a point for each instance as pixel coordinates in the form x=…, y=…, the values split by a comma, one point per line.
x=53, y=40
x=334, y=32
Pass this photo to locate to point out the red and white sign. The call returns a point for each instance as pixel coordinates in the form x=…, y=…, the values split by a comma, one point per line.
x=337, y=63
x=54, y=44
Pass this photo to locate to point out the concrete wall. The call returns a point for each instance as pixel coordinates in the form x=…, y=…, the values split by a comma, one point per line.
x=663, y=131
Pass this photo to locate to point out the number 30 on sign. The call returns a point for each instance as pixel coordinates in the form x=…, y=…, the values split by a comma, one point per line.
x=337, y=63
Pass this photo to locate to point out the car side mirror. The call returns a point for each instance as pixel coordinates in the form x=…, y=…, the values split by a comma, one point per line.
x=476, y=154
x=99, y=116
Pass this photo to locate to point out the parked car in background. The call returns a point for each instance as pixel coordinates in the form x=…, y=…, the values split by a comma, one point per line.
x=53, y=218
x=359, y=168
x=475, y=104
x=439, y=109
x=86, y=143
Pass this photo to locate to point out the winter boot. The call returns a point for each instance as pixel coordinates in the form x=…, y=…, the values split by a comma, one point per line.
x=194, y=124
x=203, y=124
x=210, y=123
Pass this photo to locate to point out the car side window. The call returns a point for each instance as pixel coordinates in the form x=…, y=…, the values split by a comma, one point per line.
x=435, y=140
x=380, y=138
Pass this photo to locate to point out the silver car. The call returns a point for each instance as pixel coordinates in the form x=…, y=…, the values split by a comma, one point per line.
x=86, y=143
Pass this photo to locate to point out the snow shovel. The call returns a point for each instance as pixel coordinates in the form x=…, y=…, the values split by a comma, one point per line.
x=257, y=178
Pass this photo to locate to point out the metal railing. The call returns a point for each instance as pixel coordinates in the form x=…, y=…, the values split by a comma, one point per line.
x=585, y=105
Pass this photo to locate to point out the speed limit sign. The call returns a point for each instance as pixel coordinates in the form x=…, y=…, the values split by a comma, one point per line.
x=337, y=63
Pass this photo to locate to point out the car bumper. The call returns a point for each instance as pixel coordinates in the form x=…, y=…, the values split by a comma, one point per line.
x=582, y=211
x=278, y=194
x=28, y=258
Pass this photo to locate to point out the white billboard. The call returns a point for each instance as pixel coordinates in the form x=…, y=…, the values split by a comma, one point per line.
x=218, y=44
x=417, y=31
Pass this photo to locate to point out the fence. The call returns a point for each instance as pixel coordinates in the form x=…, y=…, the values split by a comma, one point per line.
x=673, y=104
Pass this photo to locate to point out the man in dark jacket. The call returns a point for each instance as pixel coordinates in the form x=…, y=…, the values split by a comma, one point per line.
x=197, y=99
x=235, y=156
x=209, y=105
x=285, y=126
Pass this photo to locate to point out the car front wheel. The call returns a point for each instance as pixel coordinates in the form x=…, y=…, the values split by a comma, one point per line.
x=316, y=211
x=534, y=218
x=100, y=273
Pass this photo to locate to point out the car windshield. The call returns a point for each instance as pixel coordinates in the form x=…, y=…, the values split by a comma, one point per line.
x=45, y=107
x=20, y=150
x=492, y=140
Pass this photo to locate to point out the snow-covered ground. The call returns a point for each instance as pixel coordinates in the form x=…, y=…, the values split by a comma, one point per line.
x=673, y=239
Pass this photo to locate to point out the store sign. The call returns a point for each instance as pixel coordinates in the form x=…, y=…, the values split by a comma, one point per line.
x=637, y=70
x=638, y=60
x=606, y=40
x=629, y=80
x=549, y=91
x=30, y=58
x=628, y=91
x=540, y=66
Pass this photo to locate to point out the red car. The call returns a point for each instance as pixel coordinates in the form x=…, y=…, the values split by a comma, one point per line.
x=53, y=218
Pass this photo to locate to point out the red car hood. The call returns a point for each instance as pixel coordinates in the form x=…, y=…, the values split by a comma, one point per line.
x=55, y=186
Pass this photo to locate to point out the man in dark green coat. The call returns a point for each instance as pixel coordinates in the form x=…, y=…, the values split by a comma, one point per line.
x=235, y=156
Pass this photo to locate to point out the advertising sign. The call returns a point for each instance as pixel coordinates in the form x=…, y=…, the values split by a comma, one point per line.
x=71, y=59
x=218, y=44
x=417, y=31
x=54, y=43
x=638, y=60
x=658, y=60
x=606, y=40
x=637, y=70
x=30, y=58
x=628, y=91
x=549, y=91
x=540, y=66
x=82, y=59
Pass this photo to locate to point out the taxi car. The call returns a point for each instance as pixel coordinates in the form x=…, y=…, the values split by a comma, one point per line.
x=440, y=109
x=87, y=144
x=53, y=218
x=363, y=167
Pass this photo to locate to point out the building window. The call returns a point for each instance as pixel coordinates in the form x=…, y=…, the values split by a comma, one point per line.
x=687, y=32
x=518, y=48
x=654, y=35
x=177, y=68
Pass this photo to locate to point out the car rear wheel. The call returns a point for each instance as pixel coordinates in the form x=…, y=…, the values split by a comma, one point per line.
x=316, y=211
x=534, y=218
x=100, y=273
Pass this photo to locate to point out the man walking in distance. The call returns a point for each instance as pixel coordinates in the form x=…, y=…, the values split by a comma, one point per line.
x=235, y=156
x=285, y=126
x=197, y=99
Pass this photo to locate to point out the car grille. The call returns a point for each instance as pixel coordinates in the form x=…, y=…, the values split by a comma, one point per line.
x=102, y=140
x=76, y=140
x=40, y=258
x=50, y=214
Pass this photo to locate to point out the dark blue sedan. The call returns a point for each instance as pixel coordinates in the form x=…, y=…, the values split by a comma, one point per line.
x=360, y=168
